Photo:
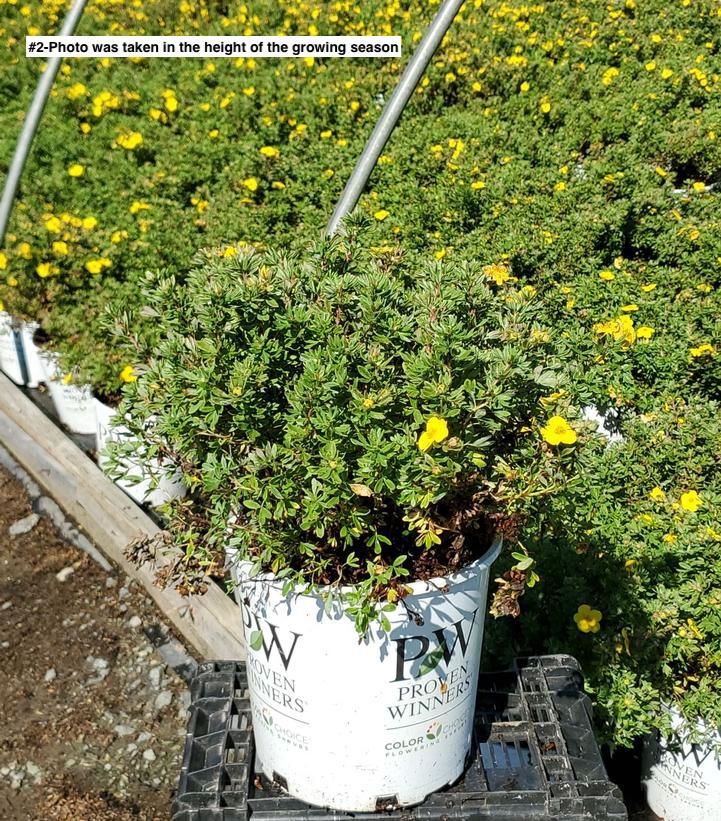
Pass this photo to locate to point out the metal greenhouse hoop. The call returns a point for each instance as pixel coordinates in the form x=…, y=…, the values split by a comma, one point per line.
x=364, y=166
x=32, y=120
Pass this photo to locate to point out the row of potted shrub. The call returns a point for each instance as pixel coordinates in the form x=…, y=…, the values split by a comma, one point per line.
x=145, y=479
x=356, y=428
x=351, y=427
x=579, y=166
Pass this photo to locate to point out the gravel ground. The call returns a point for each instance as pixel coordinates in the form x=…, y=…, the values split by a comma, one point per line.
x=93, y=716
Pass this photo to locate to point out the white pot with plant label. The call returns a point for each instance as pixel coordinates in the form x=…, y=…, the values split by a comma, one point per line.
x=370, y=724
x=139, y=473
x=356, y=425
x=74, y=403
x=11, y=355
x=683, y=777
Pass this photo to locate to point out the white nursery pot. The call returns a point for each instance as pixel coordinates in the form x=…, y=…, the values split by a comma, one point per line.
x=33, y=361
x=358, y=725
x=11, y=356
x=683, y=781
x=110, y=429
x=74, y=403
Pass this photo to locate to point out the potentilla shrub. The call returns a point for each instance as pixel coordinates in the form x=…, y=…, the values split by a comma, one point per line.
x=346, y=418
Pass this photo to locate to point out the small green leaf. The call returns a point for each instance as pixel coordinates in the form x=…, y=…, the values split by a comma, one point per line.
x=256, y=640
x=431, y=661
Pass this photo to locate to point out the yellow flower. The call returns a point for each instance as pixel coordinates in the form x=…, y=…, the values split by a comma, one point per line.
x=95, y=266
x=138, y=206
x=25, y=250
x=607, y=276
x=690, y=501
x=76, y=90
x=524, y=87
x=630, y=565
x=128, y=374
x=702, y=350
x=498, y=272
x=608, y=76
x=666, y=73
x=60, y=248
x=657, y=494
x=558, y=431
x=89, y=223
x=269, y=151
x=381, y=215
x=53, y=224
x=278, y=185
x=621, y=329
x=588, y=620
x=545, y=105
x=130, y=141
x=631, y=307
x=698, y=186
x=251, y=183
x=436, y=431
x=644, y=332
x=76, y=170
x=3, y=261
x=46, y=269
x=213, y=133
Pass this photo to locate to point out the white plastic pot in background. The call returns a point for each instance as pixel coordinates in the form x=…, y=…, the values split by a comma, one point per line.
x=355, y=726
x=11, y=362
x=33, y=361
x=110, y=429
x=74, y=403
x=604, y=424
x=683, y=780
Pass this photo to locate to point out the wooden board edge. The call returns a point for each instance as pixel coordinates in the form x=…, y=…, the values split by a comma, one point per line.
x=211, y=623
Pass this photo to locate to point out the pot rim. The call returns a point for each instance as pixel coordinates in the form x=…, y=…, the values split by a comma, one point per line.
x=436, y=583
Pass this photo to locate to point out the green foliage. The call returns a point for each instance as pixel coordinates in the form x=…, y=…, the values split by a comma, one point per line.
x=576, y=145
x=639, y=540
x=294, y=390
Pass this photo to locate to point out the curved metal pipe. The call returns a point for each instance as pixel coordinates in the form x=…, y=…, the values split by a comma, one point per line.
x=392, y=112
x=32, y=120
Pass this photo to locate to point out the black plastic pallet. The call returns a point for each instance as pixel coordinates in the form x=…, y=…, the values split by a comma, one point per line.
x=534, y=755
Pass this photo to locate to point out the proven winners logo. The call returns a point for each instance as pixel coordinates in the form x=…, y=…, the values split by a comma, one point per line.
x=418, y=693
x=273, y=649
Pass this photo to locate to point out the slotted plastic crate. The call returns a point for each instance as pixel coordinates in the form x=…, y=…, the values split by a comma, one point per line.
x=534, y=755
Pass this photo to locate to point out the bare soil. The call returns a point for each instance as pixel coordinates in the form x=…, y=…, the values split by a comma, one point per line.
x=91, y=718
